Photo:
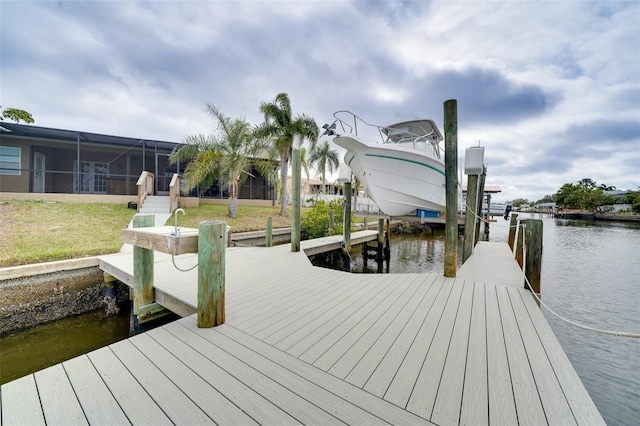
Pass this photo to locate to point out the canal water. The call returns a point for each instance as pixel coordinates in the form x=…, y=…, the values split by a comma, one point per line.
x=24, y=352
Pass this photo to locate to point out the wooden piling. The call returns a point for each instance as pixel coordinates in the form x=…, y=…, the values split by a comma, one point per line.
x=512, y=230
x=451, y=184
x=519, y=236
x=269, y=235
x=211, y=273
x=142, y=267
x=346, y=229
x=481, y=182
x=381, y=241
x=533, y=253
x=295, y=200
x=110, y=294
x=470, y=217
x=486, y=223
x=331, y=220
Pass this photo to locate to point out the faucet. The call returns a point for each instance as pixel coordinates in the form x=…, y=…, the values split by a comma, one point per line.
x=175, y=232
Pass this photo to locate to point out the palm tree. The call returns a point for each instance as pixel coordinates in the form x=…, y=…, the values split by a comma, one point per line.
x=324, y=157
x=605, y=187
x=280, y=128
x=224, y=155
x=305, y=163
x=587, y=183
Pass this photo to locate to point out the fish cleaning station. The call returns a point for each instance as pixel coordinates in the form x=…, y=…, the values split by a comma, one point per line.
x=268, y=338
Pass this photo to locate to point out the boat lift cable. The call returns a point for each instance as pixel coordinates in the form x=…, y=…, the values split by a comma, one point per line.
x=584, y=327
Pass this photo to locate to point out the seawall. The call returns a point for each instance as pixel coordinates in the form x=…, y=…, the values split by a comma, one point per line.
x=32, y=300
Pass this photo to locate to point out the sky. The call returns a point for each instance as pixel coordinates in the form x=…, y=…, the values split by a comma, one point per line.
x=551, y=89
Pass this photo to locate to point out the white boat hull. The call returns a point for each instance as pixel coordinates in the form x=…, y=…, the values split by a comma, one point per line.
x=399, y=180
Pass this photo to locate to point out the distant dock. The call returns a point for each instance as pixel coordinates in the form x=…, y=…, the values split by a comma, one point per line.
x=308, y=345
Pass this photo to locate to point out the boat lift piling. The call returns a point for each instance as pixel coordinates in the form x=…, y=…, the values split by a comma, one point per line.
x=381, y=252
x=451, y=186
x=512, y=230
x=346, y=227
x=478, y=215
x=487, y=218
x=473, y=168
x=295, y=200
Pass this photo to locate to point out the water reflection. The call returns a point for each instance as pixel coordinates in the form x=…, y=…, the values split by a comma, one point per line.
x=24, y=352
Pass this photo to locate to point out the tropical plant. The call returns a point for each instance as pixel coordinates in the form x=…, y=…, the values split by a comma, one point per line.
x=583, y=195
x=605, y=187
x=224, y=155
x=16, y=115
x=324, y=157
x=305, y=162
x=279, y=129
x=315, y=224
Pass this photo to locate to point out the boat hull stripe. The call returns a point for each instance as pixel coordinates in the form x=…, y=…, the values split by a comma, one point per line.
x=406, y=160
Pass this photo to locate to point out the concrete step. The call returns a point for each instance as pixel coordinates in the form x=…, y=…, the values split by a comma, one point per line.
x=155, y=204
x=155, y=199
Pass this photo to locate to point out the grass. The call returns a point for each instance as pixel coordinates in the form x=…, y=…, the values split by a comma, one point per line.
x=37, y=231
x=249, y=218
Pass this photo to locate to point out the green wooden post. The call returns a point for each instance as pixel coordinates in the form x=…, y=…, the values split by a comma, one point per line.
x=295, y=200
x=380, y=249
x=211, y=272
x=519, y=236
x=486, y=224
x=331, y=220
x=142, y=267
x=533, y=258
x=481, y=182
x=512, y=230
x=451, y=183
x=470, y=217
x=366, y=223
x=269, y=236
x=346, y=229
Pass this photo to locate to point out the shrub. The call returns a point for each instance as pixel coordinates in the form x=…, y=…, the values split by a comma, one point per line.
x=315, y=223
x=636, y=208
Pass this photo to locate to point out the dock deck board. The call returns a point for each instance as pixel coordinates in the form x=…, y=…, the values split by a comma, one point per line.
x=309, y=345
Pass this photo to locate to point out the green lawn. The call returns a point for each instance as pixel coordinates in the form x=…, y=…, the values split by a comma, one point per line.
x=42, y=231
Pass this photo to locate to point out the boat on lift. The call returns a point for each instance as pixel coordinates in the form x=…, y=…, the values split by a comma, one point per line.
x=403, y=170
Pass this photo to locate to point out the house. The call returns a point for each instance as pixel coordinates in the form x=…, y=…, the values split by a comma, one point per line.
x=54, y=161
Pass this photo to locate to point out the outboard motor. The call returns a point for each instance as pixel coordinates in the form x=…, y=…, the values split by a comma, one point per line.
x=507, y=210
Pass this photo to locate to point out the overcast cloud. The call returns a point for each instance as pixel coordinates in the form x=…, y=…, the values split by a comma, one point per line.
x=551, y=89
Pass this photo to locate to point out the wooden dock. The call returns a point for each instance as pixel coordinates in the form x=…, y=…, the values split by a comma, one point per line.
x=308, y=345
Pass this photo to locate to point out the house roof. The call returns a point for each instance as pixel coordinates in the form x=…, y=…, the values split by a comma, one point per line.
x=35, y=132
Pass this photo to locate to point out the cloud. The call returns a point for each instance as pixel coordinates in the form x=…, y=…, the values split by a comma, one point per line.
x=552, y=89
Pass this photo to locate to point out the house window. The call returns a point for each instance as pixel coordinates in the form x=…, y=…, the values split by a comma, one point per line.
x=93, y=177
x=10, y=160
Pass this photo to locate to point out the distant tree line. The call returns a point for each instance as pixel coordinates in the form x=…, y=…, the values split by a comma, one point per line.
x=586, y=195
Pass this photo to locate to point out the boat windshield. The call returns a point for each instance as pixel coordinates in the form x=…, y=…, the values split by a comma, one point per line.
x=420, y=134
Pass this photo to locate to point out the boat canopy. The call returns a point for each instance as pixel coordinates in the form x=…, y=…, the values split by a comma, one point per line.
x=418, y=130
x=413, y=129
